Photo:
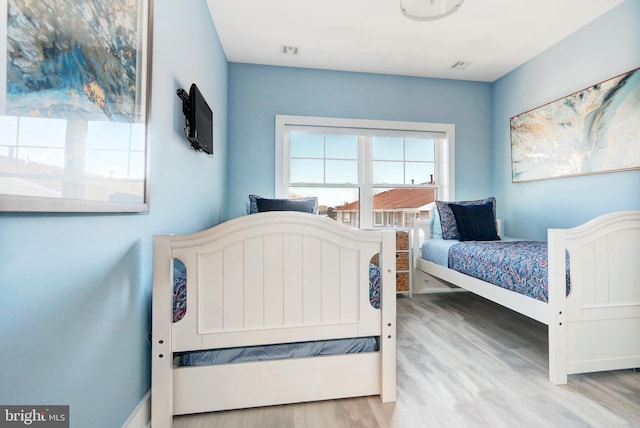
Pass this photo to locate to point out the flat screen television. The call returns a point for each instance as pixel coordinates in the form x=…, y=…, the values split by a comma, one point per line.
x=198, y=119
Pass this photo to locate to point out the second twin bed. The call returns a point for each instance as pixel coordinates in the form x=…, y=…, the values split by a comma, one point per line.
x=583, y=283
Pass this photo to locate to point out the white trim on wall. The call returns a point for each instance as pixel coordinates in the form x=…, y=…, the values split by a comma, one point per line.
x=141, y=415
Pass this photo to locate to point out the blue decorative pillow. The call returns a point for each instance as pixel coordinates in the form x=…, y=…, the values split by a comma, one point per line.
x=475, y=222
x=259, y=204
x=448, y=220
x=305, y=206
x=253, y=204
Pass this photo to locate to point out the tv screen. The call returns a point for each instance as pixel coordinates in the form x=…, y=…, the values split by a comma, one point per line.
x=198, y=120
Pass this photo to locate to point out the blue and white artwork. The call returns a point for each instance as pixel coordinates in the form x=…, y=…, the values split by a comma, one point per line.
x=595, y=130
x=73, y=59
x=74, y=108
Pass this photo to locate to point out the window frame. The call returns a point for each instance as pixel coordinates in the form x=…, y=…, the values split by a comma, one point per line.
x=444, y=162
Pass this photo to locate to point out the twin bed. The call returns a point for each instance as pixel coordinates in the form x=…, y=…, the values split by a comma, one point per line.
x=584, y=284
x=227, y=298
x=233, y=303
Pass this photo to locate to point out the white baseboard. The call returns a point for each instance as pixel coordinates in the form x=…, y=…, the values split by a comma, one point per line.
x=141, y=415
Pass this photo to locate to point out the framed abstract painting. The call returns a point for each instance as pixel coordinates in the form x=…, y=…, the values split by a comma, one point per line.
x=74, y=101
x=595, y=130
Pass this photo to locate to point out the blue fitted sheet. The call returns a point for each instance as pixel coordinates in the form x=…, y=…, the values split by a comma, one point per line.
x=279, y=351
x=437, y=250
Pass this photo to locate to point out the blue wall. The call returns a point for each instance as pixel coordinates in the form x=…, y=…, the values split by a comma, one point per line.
x=605, y=48
x=76, y=288
x=258, y=93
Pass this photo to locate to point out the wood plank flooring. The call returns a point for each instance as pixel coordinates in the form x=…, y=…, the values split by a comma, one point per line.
x=462, y=362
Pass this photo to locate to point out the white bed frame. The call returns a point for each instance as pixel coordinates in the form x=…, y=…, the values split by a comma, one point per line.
x=274, y=277
x=597, y=326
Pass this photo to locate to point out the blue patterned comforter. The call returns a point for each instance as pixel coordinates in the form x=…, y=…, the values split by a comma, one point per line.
x=520, y=266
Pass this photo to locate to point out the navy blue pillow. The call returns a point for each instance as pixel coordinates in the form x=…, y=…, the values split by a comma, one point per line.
x=475, y=222
x=303, y=205
x=252, y=207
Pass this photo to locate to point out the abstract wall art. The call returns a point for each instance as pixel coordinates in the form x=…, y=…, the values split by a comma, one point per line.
x=74, y=95
x=595, y=130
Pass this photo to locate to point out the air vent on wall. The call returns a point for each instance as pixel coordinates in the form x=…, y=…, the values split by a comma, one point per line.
x=290, y=50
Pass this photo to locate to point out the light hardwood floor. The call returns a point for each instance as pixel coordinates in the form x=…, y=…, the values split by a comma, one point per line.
x=462, y=362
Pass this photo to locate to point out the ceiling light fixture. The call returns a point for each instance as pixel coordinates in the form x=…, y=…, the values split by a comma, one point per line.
x=429, y=10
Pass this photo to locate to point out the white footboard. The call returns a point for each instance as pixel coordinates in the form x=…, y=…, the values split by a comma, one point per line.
x=276, y=277
x=597, y=326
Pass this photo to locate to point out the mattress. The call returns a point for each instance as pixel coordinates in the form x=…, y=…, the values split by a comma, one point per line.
x=278, y=351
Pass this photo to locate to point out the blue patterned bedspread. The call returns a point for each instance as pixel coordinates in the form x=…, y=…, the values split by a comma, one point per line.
x=520, y=266
x=374, y=285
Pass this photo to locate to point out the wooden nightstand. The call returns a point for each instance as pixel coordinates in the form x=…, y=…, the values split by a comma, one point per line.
x=404, y=274
x=403, y=262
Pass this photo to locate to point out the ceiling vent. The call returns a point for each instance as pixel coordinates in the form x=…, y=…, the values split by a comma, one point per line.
x=460, y=65
x=290, y=50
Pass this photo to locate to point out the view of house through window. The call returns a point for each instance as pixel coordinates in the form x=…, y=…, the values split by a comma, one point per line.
x=368, y=174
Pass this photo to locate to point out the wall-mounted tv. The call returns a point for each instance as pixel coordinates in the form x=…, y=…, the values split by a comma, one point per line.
x=198, y=119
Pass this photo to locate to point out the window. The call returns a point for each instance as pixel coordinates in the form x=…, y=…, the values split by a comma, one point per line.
x=365, y=173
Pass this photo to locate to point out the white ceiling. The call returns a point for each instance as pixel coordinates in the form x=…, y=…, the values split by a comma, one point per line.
x=495, y=36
